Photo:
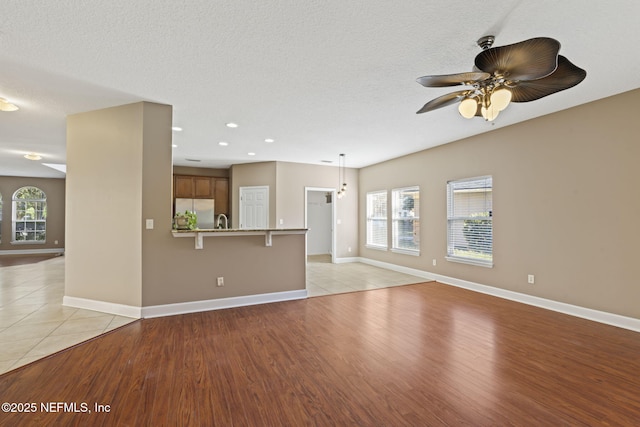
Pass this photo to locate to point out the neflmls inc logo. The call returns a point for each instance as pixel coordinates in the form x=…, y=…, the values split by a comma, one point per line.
x=77, y=407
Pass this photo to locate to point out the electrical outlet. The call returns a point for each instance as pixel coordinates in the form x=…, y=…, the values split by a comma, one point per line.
x=349, y=249
x=220, y=281
x=531, y=279
x=434, y=262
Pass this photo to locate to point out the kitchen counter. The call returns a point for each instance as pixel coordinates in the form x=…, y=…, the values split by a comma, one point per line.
x=199, y=234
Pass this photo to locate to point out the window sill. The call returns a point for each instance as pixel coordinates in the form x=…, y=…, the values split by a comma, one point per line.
x=28, y=242
x=405, y=252
x=476, y=262
x=377, y=248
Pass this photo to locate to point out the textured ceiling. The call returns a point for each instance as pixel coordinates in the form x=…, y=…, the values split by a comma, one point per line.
x=319, y=77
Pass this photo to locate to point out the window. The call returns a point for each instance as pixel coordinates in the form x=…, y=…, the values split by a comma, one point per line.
x=470, y=221
x=406, y=220
x=29, y=215
x=377, y=219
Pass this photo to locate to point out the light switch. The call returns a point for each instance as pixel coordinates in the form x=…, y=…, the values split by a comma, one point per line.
x=149, y=224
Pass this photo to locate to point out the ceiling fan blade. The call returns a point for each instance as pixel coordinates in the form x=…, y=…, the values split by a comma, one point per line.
x=564, y=77
x=527, y=60
x=443, y=101
x=453, y=79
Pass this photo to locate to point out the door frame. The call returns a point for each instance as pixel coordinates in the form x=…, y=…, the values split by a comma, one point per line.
x=333, y=217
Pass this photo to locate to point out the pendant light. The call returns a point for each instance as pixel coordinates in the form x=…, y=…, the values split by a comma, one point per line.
x=342, y=176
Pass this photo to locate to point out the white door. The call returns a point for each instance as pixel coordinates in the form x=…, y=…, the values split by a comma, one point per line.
x=254, y=207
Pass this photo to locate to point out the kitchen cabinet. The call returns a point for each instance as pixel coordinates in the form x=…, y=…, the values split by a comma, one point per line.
x=221, y=194
x=203, y=187
x=193, y=187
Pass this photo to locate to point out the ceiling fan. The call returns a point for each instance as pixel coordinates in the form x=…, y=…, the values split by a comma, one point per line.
x=519, y=72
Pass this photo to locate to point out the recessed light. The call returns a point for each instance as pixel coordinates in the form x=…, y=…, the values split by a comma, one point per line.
x=326, y=161
x=177, y=128
x=193, y=160
x=232, y=125
x=251, y=154
x=269, y=140
x=223, y=143
x=7, y=106
x=32, y=156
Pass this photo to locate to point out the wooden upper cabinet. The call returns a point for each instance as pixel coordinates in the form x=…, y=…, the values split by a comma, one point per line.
x=203, y=187
x=193, y=187
x=183, y=186
x=222, y=196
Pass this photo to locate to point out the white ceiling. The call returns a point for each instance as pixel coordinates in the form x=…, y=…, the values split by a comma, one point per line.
x=320, y=77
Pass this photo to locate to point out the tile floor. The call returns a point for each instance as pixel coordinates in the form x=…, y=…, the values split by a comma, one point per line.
x=34, y=324
x=325, y=278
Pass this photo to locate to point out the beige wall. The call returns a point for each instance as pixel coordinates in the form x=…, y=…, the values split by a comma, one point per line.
x=156, y=200
x=565, y=202
x=54, y=188
x=292, y=178
x=182, y=273
x=104, y=205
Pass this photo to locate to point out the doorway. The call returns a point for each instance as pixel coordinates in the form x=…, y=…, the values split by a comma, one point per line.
x=254, y=207
x=319, y=220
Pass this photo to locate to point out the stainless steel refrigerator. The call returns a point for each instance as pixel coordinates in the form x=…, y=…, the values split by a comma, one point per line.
x=203, y=208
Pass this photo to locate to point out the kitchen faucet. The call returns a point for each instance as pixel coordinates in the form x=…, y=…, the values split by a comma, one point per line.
x=226, y=221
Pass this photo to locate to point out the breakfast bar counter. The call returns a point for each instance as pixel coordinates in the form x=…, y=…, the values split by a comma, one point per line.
x=200, y=234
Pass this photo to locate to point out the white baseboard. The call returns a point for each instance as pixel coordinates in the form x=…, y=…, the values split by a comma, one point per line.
x=32, y=251
x=573, y=310
x=347, y=259
x=217, y=304
x=181, y=308
x=103, y=306
x=400, y=269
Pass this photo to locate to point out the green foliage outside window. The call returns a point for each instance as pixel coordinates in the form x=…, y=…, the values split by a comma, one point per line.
x=477, y=232
x=29, y=215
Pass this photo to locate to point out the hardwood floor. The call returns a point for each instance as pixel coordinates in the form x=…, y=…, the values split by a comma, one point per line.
x=10, y=260
x=416, y=355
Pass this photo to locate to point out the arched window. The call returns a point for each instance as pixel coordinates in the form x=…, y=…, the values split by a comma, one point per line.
x=29, y=215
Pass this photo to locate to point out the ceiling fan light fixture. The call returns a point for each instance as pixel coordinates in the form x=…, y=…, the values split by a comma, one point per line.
x=489, y=113
x=7, y=106
x=468, y=108
x=500, y=98
x=519, y=72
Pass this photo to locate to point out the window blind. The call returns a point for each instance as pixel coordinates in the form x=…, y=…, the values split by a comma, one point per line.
x=406, y=219
x=377, y=219
x=470, y=220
